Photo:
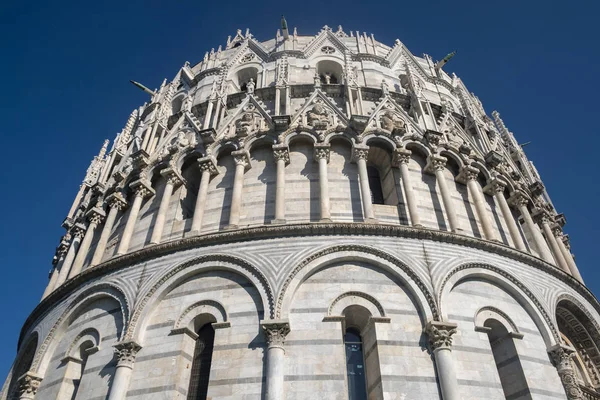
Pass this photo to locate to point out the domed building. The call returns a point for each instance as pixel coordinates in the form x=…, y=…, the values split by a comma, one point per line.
x=311, y=217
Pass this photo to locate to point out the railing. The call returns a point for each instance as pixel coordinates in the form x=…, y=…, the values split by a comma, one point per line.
x=589, y=394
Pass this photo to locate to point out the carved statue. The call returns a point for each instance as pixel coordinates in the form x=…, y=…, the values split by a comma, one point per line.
x=317, y=116
x=327, y=78
x=391, y=122
x=250, y=86
x=317, y=80
x=385, y=88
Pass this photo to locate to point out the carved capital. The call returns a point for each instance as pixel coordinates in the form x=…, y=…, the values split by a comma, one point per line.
x=467, y=173
x=495, y=187
x=518, y=199
x=241, y=157
x=28, y=385
x=541, y=216
x=435, y=163
x=275, y=331
x=208, y=164
x=96, y=215
x=401, y=156
x=440, y=334
x=171, y=176
x=142, y=188
x=79, y=231
x=281, y=152
x=322, y=151
x=561, y=358
x=126, y=352
x=360, y=153
x=117, y=200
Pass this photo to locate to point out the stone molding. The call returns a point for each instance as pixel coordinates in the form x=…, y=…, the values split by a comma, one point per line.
x=293, y=230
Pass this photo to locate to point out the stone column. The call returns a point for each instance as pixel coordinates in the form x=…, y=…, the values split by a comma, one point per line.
x=77, y=233
x=142, y=190
x=561, y=358
x=126, y=352
x=435, y=165
x=208, y=115
x=359, y=156
x=520, y=201
x=322, y=156
x=173, y=181
x=282, y=157
x=559, y=237
x=275, y=332
x=496, y=188
x=76, y=201
x=208, y=166
x=468, y=175
x=116, y=203
x=95, y=217
x=440, y=341
x=543, y=218
x=242, y=161
x=400, y=160
x=29, y=383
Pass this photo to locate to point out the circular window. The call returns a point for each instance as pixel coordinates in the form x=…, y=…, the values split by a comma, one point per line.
x=327, y=50
x=247, y=57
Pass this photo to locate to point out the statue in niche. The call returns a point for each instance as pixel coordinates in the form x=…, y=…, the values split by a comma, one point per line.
x=250, y=86
x=385, y=88
x=391, y=122
x=327, y=78
x=317, y=117
x=317, y=80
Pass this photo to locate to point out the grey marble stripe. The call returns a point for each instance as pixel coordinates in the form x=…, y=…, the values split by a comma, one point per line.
x=160, y=325
x=547, y=393
x=156, y=389
x=402, y=343
x=314, y=377
x=209, y=289
x=470, y=349
x=530, y=331
x=164, y=355
x=244, y=314
x=109, y=337
x=95, y=317
x=312, y=342
x=111, y=364
x=402, y=312
x=351, y=280
x=236, y=381
x=408, y=378
x=309, y=310
x=467, y=382
x=236, y=346
x=460, y=318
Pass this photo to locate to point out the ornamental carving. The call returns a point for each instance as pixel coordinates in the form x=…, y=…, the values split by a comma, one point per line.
x=327, y=50
x=275, y=332
x=401, y=156
x=251, y=121
x=392, y=122
x=126, y=352
x=435, y=163
x=281, y=154
x=440, y=334
x=561, y=358
x=318, y=116
x=28, y=385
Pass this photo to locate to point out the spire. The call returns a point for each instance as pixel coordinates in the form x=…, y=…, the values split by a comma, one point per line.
x=103, y=149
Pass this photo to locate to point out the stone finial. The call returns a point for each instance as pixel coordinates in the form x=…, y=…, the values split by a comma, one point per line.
x=126, y=352
x=275, y=331
x=440, y=334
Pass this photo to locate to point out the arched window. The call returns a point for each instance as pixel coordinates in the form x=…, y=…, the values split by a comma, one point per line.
x=330, y=72
x=200, y=373
x=507, y=361
x=375, y=185
x=355, y=365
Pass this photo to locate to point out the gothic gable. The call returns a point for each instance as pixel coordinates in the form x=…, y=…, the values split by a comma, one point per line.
x=319, y=113
x=325, y=38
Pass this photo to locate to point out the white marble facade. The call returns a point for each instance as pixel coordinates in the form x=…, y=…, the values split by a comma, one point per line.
x=287, y=190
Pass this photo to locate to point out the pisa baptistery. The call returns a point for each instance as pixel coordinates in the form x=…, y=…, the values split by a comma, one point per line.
x=311, y=217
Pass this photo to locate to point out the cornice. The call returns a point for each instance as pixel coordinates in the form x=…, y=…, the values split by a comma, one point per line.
x=295, y=230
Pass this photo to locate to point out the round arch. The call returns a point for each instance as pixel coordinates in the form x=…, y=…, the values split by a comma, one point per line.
x=317, y=261
x=512, y=285
x=163, y=283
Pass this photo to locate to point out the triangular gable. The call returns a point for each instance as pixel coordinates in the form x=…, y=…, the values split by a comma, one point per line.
x=325, y=36
x=242, y=108
x=385, y=105
x=318, y=97
x=249, y=46
x=456, y=135
x=400, y=55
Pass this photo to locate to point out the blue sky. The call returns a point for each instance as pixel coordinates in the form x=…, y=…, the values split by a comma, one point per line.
x=66, y=68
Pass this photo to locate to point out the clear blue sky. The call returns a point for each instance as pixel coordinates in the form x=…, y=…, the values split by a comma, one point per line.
x=66, y=67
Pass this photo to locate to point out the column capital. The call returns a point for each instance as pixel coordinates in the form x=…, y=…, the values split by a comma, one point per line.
x=467, y=173
x=209, y=164
x=29, y=383
x=557, y=231
x=518, y=198
x=435, y=163
x=440, y=334
x=241, y=157
x=79, y=230
x=281, y=152
x=541, y=216
x=142, y=188
x=275, y=330
x=561, y=358
x=172, y=176
x=359, y=152
x=401, y=156
x=322, y=151
x=126, y=352
x=116, y=200
x=63, y=246
x=495, y=186
x=96, y=215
